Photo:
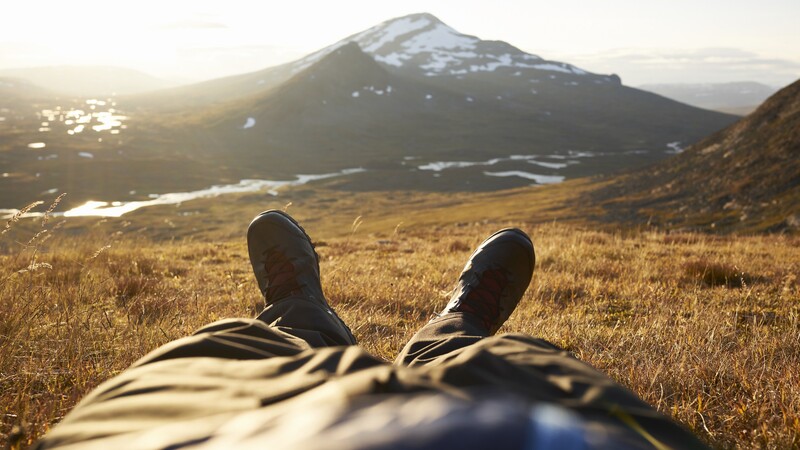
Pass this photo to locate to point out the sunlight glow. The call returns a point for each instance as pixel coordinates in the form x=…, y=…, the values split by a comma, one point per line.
x=204, y=38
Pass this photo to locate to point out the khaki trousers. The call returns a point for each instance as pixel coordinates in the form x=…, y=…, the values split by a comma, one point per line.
x=288, y=377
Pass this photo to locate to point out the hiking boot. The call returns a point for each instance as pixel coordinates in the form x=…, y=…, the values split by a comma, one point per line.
x=287, y=268
x=283, y=258
x=494, y=278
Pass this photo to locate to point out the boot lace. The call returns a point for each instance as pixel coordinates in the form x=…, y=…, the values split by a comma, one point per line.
x=483, y=298
x=281, y=276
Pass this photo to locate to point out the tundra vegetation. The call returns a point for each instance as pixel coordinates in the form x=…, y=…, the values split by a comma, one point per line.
x=704, y=327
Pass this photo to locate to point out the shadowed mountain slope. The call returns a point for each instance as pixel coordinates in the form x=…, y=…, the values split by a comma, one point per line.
x=746, y=177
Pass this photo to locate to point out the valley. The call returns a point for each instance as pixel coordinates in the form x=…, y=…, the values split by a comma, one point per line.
x=414, y=103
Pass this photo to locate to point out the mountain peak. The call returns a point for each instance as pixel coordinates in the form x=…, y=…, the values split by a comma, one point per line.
x=422, y=45
x=398, y=40
x=415, y=17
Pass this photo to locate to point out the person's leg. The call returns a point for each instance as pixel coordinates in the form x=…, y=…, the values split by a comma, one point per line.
x=536, y=371
x=456, y=350
x=286, y=267
x=297, y=316
x=489, y=288
x=183, y=392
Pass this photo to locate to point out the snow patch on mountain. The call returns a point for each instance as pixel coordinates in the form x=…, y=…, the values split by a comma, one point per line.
x=549, y=165
x=393, y=59
x=540, y=179
x=439, y=62
x=559, y=68
x=421, y=42
x=441, y=37
x=390, y=32
x=675, y=147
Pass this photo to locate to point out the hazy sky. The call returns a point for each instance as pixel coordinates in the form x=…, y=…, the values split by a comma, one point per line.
x=643, y=41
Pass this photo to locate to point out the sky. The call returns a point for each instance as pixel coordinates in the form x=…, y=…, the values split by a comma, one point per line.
x=645, y=42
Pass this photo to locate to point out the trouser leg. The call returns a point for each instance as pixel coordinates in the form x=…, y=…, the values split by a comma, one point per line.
x=315, y=323
x=535, y=369
x=284, y=328
x=440, y=337
x=458, y=352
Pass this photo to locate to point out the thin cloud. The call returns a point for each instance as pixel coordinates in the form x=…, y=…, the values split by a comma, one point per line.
x=721, y=57
x=704, y=64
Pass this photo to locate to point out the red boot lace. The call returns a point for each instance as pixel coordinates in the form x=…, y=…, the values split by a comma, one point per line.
x=483, y=299
x=281, y=276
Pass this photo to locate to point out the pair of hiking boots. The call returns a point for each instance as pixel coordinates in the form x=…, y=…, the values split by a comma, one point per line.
x=490, y=285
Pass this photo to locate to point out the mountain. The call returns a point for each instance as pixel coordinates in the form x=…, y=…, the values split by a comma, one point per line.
x=461, y=97
x=88, y=81
x=735, y=98
x=422, y=45
x=418, y=45
x=455, y=98
x=19, y=89
x=17, y=96
x=412, y=102
x=744, y=178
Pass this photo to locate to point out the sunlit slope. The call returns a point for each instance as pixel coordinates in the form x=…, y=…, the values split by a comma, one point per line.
x=746, y=177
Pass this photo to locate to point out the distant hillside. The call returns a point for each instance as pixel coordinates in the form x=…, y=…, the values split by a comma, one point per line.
x=415, y=89
x=744, y=178
x=16, y=89
x=17, y=97
x=88, y=81
x=734, y=98
x=348, y=110
x=412, y=102
x=417, y=45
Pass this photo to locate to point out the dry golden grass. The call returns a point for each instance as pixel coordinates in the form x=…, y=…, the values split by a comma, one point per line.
x=706, y=329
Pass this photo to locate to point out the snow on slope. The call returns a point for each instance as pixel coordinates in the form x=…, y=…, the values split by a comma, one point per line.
x=423, y=44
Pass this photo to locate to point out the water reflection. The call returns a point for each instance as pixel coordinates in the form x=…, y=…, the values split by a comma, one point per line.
x=99, y=115
x=94, y=208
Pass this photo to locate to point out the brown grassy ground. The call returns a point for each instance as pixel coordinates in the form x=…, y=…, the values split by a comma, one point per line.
x=707, y=329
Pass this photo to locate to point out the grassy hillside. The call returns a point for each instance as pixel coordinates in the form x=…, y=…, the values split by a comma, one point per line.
x=744, y=178
x=702, y=327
